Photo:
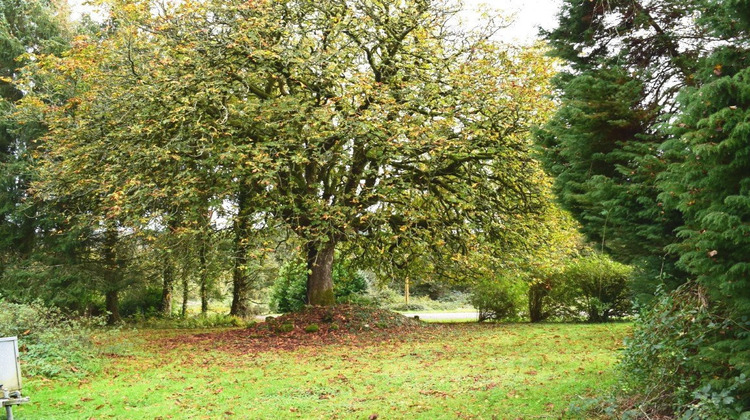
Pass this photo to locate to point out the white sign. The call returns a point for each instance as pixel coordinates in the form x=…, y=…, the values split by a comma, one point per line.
x=10, y=370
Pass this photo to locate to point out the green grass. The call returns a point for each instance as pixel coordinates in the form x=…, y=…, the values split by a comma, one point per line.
x=504, y=371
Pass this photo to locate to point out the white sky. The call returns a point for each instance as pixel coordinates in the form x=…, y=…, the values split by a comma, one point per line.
x=529, y=15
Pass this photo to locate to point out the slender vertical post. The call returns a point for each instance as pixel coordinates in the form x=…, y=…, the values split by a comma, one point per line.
x=406, y=290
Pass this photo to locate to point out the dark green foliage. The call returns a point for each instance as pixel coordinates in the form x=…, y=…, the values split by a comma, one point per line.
x=672, y=195
x=674, y=361
x=597, y=286
x=708, y=181
x=605, y=167
x=290, y=288
x=50, y=343
x=142, y=302
x=628, y=60
x=27, y=28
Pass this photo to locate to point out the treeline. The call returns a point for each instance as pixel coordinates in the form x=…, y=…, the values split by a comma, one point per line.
x=650, y=150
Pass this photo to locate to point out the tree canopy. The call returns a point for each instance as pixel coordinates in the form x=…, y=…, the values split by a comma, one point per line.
x=339, y=121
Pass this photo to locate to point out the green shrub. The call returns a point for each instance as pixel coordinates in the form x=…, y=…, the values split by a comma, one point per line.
x=285, y=328
x=596, y=286
x=50, y=343
x=289, y=291
x=143, y=302
x=312, y=328
x=347, y=283
x=498, y=299
x=384, y=297
x=673, y=363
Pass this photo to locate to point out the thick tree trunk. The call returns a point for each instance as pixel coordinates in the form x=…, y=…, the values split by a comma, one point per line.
x=240, y=283
x=537, y=293
x=112, y=304
x=320, y=274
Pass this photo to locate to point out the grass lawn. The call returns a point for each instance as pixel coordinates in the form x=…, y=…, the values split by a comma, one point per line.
x=452, y=371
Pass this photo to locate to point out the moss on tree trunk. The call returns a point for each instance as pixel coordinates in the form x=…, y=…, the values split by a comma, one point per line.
x=320, y=274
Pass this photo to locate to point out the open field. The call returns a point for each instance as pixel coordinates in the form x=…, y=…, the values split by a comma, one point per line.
x=503, y=371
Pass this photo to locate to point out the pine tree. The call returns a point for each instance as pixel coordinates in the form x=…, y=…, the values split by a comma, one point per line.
x=627, y=60
x=708, y=181
x=26, y=28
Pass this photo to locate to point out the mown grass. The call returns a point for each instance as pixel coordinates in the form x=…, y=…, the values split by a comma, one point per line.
x=452, y=371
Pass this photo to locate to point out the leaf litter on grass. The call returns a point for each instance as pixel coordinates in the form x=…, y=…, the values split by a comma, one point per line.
x=350, y=324
x=400, y=370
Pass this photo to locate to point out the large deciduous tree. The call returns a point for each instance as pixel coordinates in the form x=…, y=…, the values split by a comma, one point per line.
x=339, y=121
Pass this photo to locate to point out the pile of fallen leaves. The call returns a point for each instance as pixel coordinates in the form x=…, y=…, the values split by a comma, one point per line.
x=310, y=327
x=351, y=318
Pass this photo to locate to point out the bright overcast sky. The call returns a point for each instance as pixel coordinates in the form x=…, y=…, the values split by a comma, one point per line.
x=529, y=16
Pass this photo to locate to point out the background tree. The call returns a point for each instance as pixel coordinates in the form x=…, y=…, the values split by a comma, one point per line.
x=27, y=28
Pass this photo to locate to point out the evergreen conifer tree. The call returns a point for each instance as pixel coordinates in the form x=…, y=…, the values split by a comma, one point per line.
x=627, y=60
x=708, y=181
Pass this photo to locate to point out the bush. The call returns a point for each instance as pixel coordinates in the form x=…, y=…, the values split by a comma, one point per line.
x=499, y=299
x=347, y=283
x=596, y=286
x=143, y=302
x=289, y=291
x=673, y=362
x=285, y=327
x=50, y=343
